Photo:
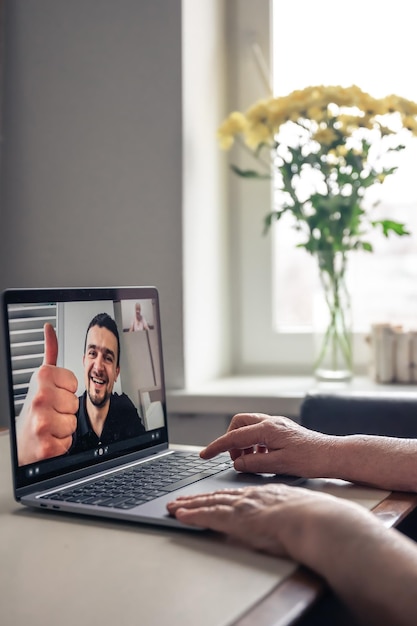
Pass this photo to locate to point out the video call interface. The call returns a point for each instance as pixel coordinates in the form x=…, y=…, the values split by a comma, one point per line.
x=87, y=382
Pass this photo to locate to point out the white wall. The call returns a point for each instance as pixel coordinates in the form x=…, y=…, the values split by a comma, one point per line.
x=206, y=210
x=92, y=152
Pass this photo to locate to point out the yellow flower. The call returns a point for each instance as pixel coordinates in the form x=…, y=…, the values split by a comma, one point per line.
x=276, y=112
x=258, y=113
x=315, y=113
x=236, y=123
x=410, y=122
x=332, y=153
x=337, y=132
x=325, y=136
x=257, y=134
x=391, y=103
x=341, y=151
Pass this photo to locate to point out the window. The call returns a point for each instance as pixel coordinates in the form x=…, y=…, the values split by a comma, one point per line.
x=26, y=324
x=365, y=45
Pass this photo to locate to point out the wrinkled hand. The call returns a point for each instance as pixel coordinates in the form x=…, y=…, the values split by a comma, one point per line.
x=278, y=445
x=370, y=567
x=47, y=420
x=266, y=518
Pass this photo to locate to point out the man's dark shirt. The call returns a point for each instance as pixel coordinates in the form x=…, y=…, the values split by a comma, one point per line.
x=122, y=422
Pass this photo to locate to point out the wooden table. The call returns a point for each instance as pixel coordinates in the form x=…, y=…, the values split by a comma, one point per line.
x=62, y=569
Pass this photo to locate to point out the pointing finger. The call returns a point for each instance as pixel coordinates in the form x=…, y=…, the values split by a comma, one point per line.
x=236, y=441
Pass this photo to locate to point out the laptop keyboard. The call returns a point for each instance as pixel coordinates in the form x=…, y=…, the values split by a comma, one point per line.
x=141, y=483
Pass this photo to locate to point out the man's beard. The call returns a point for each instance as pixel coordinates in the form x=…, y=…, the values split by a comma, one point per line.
x=97, y=401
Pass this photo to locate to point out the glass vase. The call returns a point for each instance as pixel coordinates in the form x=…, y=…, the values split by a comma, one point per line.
x=332, y=320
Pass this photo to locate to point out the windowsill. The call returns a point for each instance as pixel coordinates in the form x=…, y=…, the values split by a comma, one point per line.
x=266, y=394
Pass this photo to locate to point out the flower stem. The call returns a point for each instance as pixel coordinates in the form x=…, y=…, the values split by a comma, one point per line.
x=336, y=347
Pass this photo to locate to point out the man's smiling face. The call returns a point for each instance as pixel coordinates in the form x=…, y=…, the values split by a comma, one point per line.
x=100, y=365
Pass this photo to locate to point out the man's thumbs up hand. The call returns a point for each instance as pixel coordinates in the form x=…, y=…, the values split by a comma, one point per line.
x=47, y=421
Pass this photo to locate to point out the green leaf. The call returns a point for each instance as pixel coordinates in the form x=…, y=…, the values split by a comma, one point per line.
x=387, y=171
x=274, y=216
x=364, y=245
x=389, y=226
x=397, y=148
x=252, y=174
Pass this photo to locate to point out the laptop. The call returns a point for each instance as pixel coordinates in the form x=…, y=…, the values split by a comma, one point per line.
x=88, y=415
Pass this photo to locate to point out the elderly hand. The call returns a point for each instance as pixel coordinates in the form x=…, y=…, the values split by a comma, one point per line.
x=278, y=445
x=273, y=518
x=372, y=568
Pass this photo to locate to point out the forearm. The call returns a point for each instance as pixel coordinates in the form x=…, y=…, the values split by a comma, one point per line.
x=371, y=568
x=384, y=462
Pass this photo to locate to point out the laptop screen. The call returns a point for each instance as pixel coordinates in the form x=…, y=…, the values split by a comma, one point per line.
x=86, y=379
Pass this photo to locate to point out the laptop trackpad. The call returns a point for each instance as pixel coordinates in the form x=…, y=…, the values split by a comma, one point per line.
x=240, y=479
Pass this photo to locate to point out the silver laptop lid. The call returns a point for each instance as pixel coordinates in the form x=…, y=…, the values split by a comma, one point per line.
x=96, y=401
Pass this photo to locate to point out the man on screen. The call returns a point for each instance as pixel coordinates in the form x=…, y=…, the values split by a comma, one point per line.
x=54, y=421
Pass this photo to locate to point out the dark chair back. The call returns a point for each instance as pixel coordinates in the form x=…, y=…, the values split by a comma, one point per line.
x=377, y=413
